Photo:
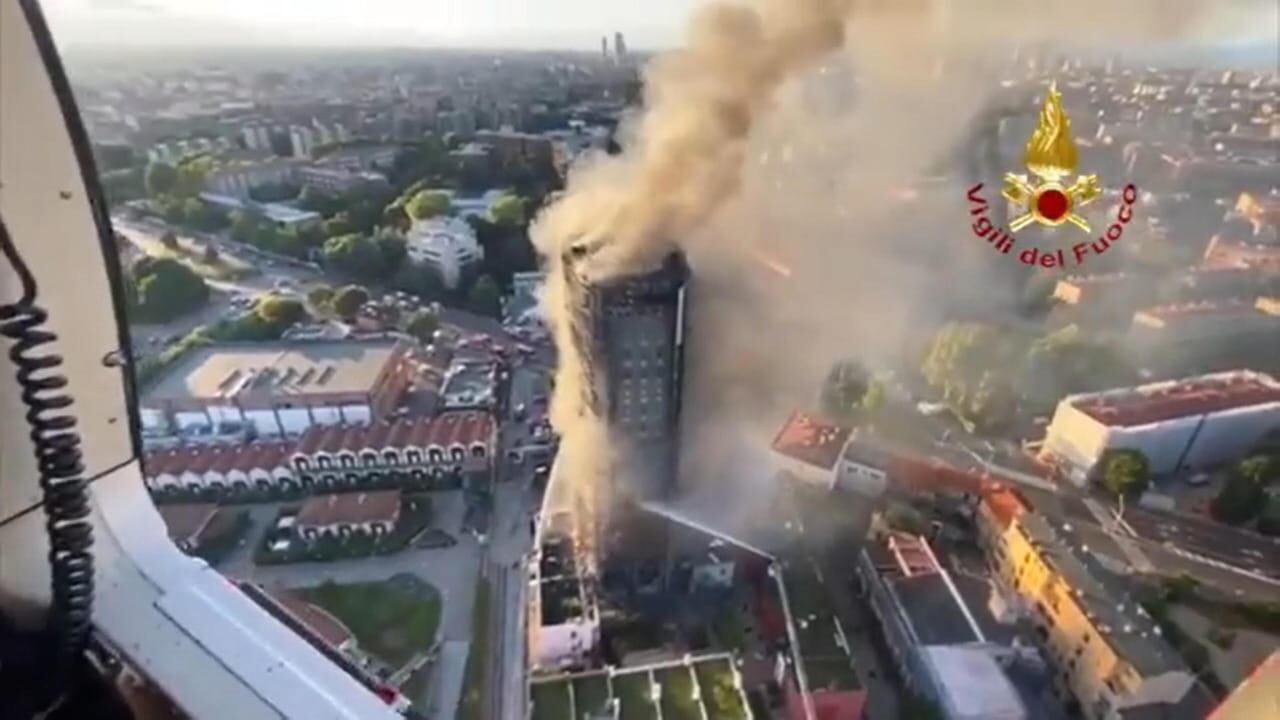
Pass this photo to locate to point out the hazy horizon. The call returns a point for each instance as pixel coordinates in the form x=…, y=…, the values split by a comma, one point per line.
x=516, y=25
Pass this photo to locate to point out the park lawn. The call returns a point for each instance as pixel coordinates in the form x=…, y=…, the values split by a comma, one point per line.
x=590, y=693
x=633, y=690
x=551, y=701
x=677, y=694
x=390, y=623
x=471, y=704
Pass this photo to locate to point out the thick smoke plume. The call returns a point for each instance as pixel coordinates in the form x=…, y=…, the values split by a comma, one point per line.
x=770, y=149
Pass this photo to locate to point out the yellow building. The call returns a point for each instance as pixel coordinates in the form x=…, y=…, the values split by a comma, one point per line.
x=1107, y=655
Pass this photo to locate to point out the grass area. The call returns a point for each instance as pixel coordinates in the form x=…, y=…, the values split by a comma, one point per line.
x=389, y=622
x=633, y=690
x=415, y=686
x=677, y=694
x=590, y=693
x=551, y=701
x=471, y=704
x=719, y=693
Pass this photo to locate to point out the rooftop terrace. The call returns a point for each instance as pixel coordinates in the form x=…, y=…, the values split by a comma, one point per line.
x=692, y=688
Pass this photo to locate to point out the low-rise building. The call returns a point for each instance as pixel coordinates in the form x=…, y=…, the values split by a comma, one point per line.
x=339, y=180
x=446, y=245
x=1180, y=425
x=1258, y=696
x=1224, y=253
x=1201, y=328
x=1108, y=655
x=564, y=617
x=939, y=635
x=420, y=451
x=276, y=389
x=344, y=514
x=469, y=383
x=261, y=466
x=187, y=523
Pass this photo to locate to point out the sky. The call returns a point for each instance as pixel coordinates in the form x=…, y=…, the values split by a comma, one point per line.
x=534, y=24
x=520, y=24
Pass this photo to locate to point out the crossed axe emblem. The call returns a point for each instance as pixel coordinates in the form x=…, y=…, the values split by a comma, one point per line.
x=1050, y=202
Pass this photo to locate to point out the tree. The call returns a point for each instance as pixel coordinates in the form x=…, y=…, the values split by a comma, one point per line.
x=391, y=248
x=508, y=210
x=169, y=240
x=354, y=255
x=418, y=280
x=320, y=297
x=348, y=301
x=969, y=363
x=844, y=387
x=427, y=204
x=1124, y=472
x=279, y=311
x=873, y=398
x=210, y=256
x=165, y=289
x=160, y=179
x=484, y=297
x=1269, y=520
x=1241, y=497
x=1260, y=469
x=1066, y=362
x=422, y=324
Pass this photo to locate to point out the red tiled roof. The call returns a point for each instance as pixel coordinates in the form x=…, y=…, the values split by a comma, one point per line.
x=325, y=626
x=458, y=426
x=1192, y=396
x=1005, y=504
x=811, y=440
x=323, y=510
x=217, y=458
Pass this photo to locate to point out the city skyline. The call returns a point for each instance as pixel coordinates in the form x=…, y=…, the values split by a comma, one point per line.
x=553, y=24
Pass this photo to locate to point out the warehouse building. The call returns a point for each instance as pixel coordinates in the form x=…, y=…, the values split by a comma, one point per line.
x=1180, y=425
x=274, y=389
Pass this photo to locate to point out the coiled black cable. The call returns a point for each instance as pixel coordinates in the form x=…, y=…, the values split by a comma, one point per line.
x=58, y=456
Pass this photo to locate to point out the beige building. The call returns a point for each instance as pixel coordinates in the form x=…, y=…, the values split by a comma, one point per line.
x=1108, y=655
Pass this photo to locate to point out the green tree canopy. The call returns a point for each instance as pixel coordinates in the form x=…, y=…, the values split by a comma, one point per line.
x=1066, y=362
x=316, y=200
x=164, y=289
x=484, y=297
x=169, y=240
x=422, y=324
x=319, y=297
x=970, y=364
x=1269, y=520
x=1124, y=472
x=210, y=255
x=1261, y=469
x=427, y=204
x=348, y=301
x=1242, y=495
x=160, y=179
x=279, y=310
x=355, y=255
x=508, y=210
x=844, y=388
x=417, y=280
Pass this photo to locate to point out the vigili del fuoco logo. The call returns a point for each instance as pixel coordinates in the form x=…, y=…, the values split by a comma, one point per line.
x=1049, y=196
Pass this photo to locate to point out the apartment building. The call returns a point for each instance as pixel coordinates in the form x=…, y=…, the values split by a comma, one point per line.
x=1110, y=661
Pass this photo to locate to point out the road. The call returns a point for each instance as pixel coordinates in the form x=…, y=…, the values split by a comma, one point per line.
x=1221, y=543
x=145, y=237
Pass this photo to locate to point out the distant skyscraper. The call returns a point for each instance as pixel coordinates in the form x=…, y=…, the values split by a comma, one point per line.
x=604, y=46
x=630, y=334
x=619, y=46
